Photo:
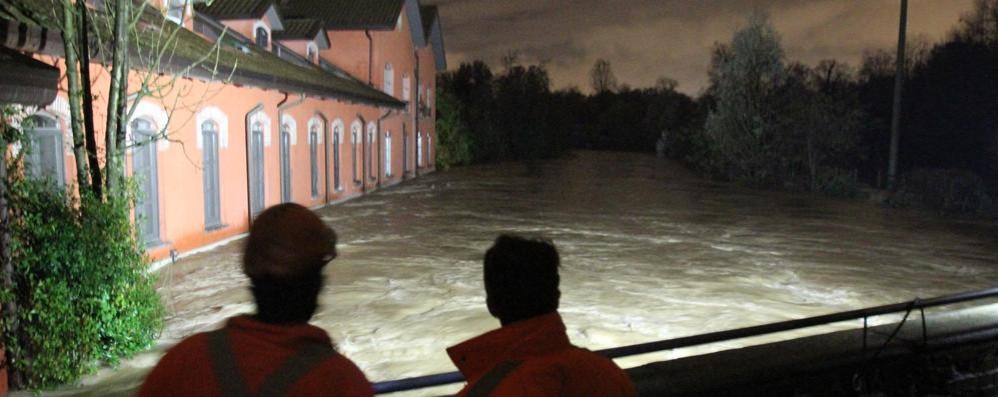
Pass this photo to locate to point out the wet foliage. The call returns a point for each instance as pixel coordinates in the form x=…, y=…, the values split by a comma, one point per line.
x=77, y=293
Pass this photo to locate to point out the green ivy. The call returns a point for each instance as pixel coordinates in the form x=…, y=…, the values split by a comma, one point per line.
x=80, y=283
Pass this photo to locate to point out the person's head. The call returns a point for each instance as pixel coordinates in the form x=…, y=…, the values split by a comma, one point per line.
x=521, y=278
x=287, y=248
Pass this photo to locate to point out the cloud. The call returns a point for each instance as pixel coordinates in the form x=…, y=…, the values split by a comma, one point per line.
x=646, y=39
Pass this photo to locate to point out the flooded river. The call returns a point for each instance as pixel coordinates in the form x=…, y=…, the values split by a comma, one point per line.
x=649, y=252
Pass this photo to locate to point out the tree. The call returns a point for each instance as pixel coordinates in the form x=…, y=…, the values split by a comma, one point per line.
x=454, y=146
x=744, y=75
x=602, y=78
x=76, y=253
x=981, y=24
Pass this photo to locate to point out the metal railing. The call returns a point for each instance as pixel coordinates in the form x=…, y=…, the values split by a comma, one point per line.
x=420, y=382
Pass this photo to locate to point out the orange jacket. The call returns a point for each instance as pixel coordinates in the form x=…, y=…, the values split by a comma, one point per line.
x=548, y=364
x=259, y=349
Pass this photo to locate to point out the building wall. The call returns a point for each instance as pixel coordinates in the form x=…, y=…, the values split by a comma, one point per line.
x=182, y=111
x=180, y=157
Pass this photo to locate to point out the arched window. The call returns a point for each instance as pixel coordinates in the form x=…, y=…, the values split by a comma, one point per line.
x=313, y=158
x=45, y=158
x=262, y=37
x=145, y=169
x=310, y=54
x=286, y=162
x=405, y=87
x=388, y=153
x=419, y=149
x=354, y=140
x=212, y=201
x=372, y=151
x=389, y=80
x=256, y=167
x=337, y=134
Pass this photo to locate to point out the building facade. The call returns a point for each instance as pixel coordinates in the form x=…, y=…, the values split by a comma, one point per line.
x=265, y=102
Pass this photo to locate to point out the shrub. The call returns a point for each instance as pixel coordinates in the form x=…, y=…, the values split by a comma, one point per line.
x=80, y=282
x=944, y=190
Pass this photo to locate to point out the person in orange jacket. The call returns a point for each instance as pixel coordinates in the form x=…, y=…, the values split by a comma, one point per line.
x=275, y=352
x=530, y=355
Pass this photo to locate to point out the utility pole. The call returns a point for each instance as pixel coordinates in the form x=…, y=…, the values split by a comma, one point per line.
x=898, y=86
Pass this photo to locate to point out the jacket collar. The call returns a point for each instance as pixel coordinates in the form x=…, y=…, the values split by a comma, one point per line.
x=293, y=336
x=534, y=336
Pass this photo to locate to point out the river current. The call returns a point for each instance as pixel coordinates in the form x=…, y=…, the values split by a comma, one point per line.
x=649, y=252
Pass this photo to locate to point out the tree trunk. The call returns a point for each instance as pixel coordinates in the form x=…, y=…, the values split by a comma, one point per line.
x=117, y=98
x=88, y=98
x=69, y=39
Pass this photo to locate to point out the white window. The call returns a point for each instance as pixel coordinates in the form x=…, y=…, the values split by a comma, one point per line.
x=45, y=155
x=388, y=153
x=389, y=80
x=312, y=53
x=405, y=87
x=419, y=149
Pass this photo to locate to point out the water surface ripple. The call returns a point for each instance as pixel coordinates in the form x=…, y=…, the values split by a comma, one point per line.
x=649, y=252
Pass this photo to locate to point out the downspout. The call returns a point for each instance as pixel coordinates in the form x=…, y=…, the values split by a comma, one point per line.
x=363, y=154
x=325, y=161
x=281, y=107
x=370, y=57
x=381, y=162
x=415, y=124
x=249, y=169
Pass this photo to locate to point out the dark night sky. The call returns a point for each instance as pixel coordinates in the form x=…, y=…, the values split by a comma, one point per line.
x=646, y=39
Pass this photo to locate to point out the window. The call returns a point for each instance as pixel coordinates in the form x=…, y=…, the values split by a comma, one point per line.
x=286, y=162
x=405, y=87
x=175, y=10
x=144, y=168
x=354, y=138
x=389, y=80
x=419, y=149
x=429, y=99
x=372, y=151
x=388, y=153
x=262, y=38
x=337, y=133
x=310, y=54
x=255, y=158
x=45, y=157
x=313, y=158
x=212, y=210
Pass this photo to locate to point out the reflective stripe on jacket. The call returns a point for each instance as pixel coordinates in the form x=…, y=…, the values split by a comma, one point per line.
x=259, y=349
x=544, y=363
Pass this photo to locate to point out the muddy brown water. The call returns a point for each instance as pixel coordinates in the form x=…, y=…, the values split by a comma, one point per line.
x=649, y=252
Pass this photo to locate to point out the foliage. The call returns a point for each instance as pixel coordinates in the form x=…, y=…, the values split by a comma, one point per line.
x=80, y=283
x=778, y=125
x=453, y=144
x=601, y=77
x=944, y=190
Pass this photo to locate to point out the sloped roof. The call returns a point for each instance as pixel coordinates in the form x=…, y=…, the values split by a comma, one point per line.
x=427, y=14
x=234, y=9
x=434, y=35
x=242, y=64
x=346, y=14
x=25, y=80
x=299, y=28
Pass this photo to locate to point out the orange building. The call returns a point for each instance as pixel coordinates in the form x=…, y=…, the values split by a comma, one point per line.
x=307, y=101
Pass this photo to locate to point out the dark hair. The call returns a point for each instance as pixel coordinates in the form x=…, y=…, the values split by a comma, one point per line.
x=521, y=278
x=286, y=300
